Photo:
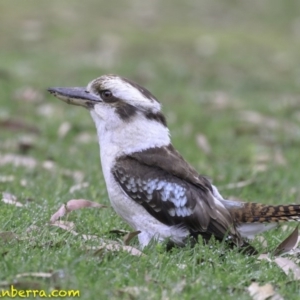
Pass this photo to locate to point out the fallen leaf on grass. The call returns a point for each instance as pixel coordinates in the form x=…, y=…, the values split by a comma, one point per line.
x=28, y=94
x=89, y=237
x=265, y=156
x=79, y=186
x=18, y=125
x=203, y=143
x=30, y=163
x=69, y=226
x=50, y=165
x=10, y=199
x=7, y=236
x=179, y=287
x=77, y=176
x=23, y=182
x=65, y=225
x=267, y=122
x=18, y=161
x=264, y=256
x=285, y=264
x=129, y=236
x=181, y=266
x=262, y=240
x=32, y=228
x=8, y=178
x=279, y=158
x=63, y=129
x=117, y=247
x=263, y=292
x=133, y=291
x=74, y=204
x=289, y=243
x=54, y=275
x=35, y=274
x=288, y=266
x=105, y=245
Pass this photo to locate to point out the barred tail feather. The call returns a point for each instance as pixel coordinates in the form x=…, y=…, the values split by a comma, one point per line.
x=255, y=218
x=262, y=213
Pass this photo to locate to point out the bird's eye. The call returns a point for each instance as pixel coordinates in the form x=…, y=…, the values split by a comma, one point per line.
x=106, y=95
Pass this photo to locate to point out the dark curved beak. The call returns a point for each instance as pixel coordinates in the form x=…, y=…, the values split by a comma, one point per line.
x=75, y=95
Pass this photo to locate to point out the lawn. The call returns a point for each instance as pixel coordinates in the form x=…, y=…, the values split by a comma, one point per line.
x=227, y=74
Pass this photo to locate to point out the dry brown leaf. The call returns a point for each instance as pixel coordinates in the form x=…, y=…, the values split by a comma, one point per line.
x=18, y=161
x=263, y=292
x=178, y=287
x=203, y=143
x=181, y=266
x=279, y=158
x=8, y=178
x=69, y=226
x=285, y=227
x=60, y=213
x=134, y=291
x=7, y=236
x=262, y=241
x=285, y=264
x=35, y=274
x=63, y=129
x=18, y=125
x=264, y=256
x=257, y=118
x=77, y=176
x=46, y=110
x=23, y=182
x=32, y=228
x=288, y=266
x=65, y=225
x=117, y=247
x=89, y=237
x=129, y=236
x=28, y=94
x=79, y=186
x=82, y=203
x=257, y=168
x=289, y=243
x=49, y=165
x=11, y=199
x=266, y=156
x=238, y=185
x=74, y=204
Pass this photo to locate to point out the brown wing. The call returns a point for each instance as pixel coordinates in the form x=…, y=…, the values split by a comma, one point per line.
x=172, y=191
x=169, y=159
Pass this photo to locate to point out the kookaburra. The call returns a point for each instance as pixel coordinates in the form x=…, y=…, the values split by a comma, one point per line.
x=149, y=183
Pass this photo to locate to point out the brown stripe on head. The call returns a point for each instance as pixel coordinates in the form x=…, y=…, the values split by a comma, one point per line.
x=125, y=111
x=128, y=98
x=141, y=89
x=158, y=117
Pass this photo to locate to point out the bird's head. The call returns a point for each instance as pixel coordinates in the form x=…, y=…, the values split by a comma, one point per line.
x=113, y=97
x=125, y=114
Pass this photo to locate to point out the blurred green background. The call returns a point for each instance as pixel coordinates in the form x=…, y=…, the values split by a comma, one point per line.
x=228, y=76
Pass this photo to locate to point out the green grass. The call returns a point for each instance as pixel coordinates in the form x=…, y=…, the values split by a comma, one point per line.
x=207, y=62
